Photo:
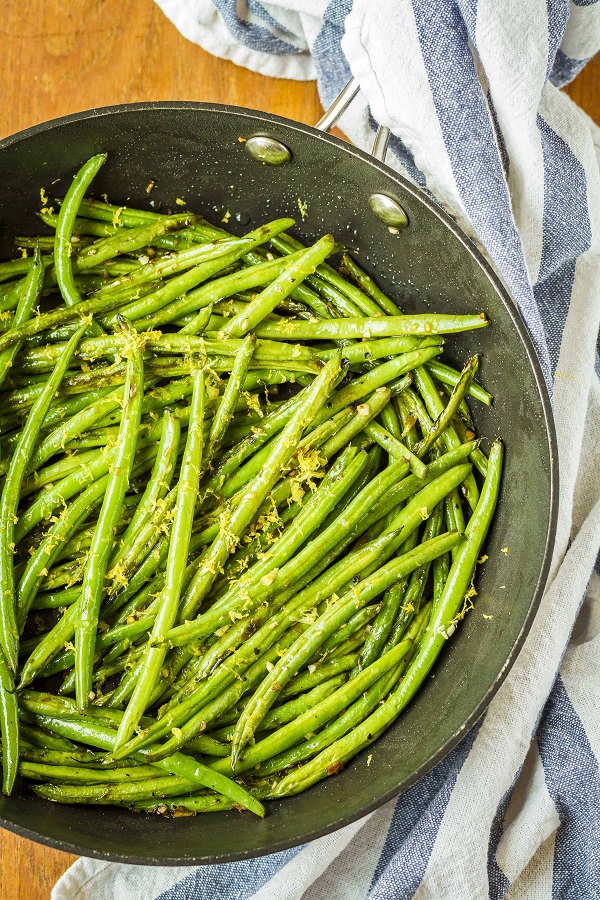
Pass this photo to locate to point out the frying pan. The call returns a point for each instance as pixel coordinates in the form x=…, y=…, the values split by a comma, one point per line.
x=199, y=152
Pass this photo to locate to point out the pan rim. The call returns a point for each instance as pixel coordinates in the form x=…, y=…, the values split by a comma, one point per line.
x=263, y=118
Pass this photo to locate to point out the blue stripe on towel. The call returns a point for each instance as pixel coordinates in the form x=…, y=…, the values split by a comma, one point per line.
x=469, y=139
x=414, y=827
x=573, y=781
x=251, y=34
x=567, y=233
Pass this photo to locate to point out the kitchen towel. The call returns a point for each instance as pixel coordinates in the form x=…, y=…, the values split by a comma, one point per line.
x=471, y=92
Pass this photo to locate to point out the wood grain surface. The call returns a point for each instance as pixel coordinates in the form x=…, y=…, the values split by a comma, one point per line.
x=60, y=57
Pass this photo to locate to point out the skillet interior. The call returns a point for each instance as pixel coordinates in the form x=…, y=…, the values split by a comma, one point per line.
x=193, y=152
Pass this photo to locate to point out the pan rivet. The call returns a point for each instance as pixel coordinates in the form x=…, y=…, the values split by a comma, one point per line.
x=388, y=211
x=268, y=150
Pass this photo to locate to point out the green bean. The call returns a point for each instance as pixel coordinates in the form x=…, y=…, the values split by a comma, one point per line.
x=65, y=774
x=444, y=418
x=281, y=287
x=192, y=696
x=262, y=378
x=219, y=253
x=395, y=448
x=139, y=582
x=162, y=367
x=322, y=435
x=298, y=565
x=326, y=624
x=273, y=423
x=323, y=500
x=463, y=412
x=82, y=227
x=194, y=804
x=40, y=737
x=51, y=644
x=158, y=483
x=477, y=457
x=74, y=426
x=213, y=708
x=56, y=600
x=186, y=773
x=83, y=470
x=386, y=326
x=291, y=569
x=159, y=787
x=440, y=571
x=216, y=290
x=441, y=627
x=291, y=603
x=58, y=757
x=367, y=350
x=402, y=525
x=71, y=405
x=447, y=375
x=67, y=574
x=58, y=317
x=63, y=263
x=226, y=406
x=97, y=560
x=335, y=485
x=10, y=499
x=47, y=241
x=118, y=216
x=355, y=630
x=157, y=526
x=176, y=563
x=243, y=514
x=32, y=290
x=413, y=590
x=381, y=376
x=180, y=284
x=199, y=323
x=451, y=440
x=355, y=714
x=315, y=718
x=9, y=725
x=345, y=296
x=123, y=216
x=127, y=241
x=14, y=267
x=307, y=680
x=410, y=485
x=49, y=548
x=453, y=511
x=390, y=421
x=365, y=412
x=368, y=285
x=382, y=626
x=287, y=712
x=250, y=469
x=336, y=300
x=65, y=709
x=47, y=704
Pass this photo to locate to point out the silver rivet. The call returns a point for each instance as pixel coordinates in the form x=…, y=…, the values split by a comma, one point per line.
x=268, y=150
x=388, y=211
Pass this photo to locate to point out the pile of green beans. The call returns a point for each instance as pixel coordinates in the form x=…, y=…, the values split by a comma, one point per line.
x=242, y=506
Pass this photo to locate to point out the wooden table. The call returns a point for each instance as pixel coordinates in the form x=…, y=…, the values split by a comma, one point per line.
x=60, y=57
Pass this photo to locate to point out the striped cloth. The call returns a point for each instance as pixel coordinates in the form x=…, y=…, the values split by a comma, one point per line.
x=470, y=91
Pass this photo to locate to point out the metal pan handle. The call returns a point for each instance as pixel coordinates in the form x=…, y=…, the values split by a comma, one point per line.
x=339, y=107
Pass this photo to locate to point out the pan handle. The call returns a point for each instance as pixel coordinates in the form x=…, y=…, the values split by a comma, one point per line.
x=340, y=105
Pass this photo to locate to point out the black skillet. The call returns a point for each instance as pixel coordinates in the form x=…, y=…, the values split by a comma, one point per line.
x=199, y=152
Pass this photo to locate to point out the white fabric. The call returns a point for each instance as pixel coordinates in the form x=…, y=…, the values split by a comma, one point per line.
x=381, y=43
